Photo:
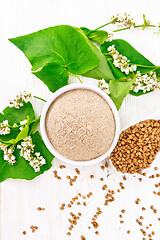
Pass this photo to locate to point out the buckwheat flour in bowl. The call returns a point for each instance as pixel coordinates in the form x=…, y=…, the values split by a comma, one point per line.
x=80, y=124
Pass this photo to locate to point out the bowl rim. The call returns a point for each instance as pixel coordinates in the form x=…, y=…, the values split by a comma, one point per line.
x=55, y=95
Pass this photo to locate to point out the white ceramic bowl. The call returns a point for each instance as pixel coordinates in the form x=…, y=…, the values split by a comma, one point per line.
x=43, y=119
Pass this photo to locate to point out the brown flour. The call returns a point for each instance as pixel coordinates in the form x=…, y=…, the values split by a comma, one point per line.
x=80, y=125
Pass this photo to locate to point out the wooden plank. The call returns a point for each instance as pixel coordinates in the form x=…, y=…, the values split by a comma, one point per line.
x=19, y=199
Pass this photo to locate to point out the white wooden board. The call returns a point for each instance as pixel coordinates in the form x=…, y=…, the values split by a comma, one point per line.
x=19, y=198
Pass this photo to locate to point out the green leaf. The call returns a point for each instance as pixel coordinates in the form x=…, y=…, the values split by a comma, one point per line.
x=125, y=49
x=158, y=73
x=22, y=169
x=98, y=36
x=14, y=115
x=118, y=90
x=53, y=75
x=33, y=124
x=139, y=93
x=23, y=134
x=117, y=72
x=102, y=71
x=56, y=51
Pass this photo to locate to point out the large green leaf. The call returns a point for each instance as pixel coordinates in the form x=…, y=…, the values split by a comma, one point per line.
x=53, y=75
x=56, y=51
x=14, y=115
x=21, y=169
x=102, y=71
x=125, y=49
x=98, y=36
x=119, y=89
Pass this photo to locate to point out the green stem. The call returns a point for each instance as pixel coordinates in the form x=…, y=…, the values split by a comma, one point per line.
x=27, y=120
x=103, y=26
x=138, y=26
x=126, y=28
x=138, y=65
x=35, y=119
x=25, y=123
x=75, y=76
x=40, y=98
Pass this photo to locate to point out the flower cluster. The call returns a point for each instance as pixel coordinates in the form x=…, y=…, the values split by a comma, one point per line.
x=27, y=152
x=8, y=153
x=4, y=128
x=157, y=29
x=23, y=123
x=145, y=82
x=123, y=20
x=104, y=86
x=120, y=61
x=20, y=99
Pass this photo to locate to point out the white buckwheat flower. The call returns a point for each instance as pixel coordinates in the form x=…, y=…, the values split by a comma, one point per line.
x=120, y=61
x=23, y=123
x=20, y=99
x=27, y=152
x=145, y=82
x=4, y=128
x=8, y=153
x=122, y=20
x=104, y=86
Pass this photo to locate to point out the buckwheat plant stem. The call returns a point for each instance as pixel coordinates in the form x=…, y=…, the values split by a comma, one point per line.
x=126, y=28
x=25, y=123
x=75, y=76
x=138, y=26
x=40, y=98
x=103, y=26
x=138, y=65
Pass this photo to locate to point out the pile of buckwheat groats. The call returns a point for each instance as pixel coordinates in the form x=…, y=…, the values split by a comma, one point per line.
x=137, y=147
